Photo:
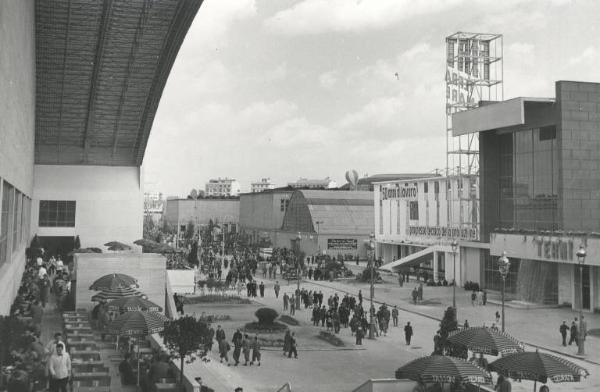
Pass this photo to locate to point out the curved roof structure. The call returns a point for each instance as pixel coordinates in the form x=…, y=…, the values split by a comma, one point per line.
x=336, y=212
x=101, y=69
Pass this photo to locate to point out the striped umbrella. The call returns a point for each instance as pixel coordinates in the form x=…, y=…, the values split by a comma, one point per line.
x=486, y=341
x=443, y=369
x=538, y=366
x=113, y=281
x=120, y=292
x=137, y=323
x=129, y=304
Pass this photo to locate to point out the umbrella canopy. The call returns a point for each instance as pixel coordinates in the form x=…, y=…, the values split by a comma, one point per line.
x=486, y=341
x=443, y=369
x=137, y=323
x=129, y=304
x=120, y=292
x=538, y=366
x=113, y=281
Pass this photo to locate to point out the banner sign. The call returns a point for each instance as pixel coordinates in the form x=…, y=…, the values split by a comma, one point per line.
x=405, y=192
x=448, y=232
x=342, y=243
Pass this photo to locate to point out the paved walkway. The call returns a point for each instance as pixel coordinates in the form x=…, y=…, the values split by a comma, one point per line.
x=342, y=370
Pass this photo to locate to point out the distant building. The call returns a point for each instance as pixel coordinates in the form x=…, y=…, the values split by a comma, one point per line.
x=154, y=205
x=262, y=185
x=261, y=213
x=366, y=183
x=222, y=187
x=330, y=222
x=306, y=183
x=224, y=211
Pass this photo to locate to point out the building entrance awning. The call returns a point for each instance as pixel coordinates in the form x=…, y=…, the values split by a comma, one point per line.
x=413, y=259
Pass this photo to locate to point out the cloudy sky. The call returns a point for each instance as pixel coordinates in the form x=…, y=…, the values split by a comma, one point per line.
x=308, y=88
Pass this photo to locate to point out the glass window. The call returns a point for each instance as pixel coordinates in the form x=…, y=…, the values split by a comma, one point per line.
x=425, y=187
x=16, y=220
x=414, y=210
x=7, y=191
x=57, y=213
x=436, y=187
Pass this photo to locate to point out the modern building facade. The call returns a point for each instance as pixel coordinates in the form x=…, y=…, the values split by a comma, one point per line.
x=330, y=222
x=417, y=221
x=80, y=88
x=180, y=212
x=262, y=213
x=305, y=183
x=262, y=185
x=222, y=187
x=540, y=192
x=367, y=183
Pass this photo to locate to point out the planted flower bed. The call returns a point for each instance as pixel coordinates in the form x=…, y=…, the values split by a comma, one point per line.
x=266, y=322
x=289, y=320
x=330, y=338
x=215, y=299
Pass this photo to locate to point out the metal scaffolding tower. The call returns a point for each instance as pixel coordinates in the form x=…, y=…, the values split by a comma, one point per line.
x=474, y=73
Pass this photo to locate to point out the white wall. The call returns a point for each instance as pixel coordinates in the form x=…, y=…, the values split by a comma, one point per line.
x=17, y=123
x=109, y=202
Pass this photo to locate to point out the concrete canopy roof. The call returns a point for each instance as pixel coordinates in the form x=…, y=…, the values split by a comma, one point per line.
x=101, y=70
x=338, y=212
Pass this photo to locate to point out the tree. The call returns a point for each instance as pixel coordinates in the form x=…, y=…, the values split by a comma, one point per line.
x=150, y=229
x=447, y=325
x=193, y=255
x=185, y=337
x=266, y=316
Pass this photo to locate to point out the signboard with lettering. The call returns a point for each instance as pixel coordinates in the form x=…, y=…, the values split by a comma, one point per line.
x=342, y=243
x=464, y=233
x=403, y=192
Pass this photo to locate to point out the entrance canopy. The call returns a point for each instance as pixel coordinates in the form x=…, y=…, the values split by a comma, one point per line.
x=413, y=259
x=101, y=69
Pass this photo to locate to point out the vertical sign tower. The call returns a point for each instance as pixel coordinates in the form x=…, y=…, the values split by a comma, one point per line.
x=474, y=73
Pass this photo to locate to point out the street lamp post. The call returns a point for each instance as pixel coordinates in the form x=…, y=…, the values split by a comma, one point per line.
x=503, y=267
x=454, y=248
x=297, y=252
x=581, y=253
x=372, y=288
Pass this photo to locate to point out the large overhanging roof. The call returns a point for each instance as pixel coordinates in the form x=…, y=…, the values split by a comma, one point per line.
x=101, y=68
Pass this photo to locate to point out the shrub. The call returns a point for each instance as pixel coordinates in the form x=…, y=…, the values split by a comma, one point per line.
x=470, y=286
x=289, y=320
x=215, y=298
x=365, y=276
x=266, y=316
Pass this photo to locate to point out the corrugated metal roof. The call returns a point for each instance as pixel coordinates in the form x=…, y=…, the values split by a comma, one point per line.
x=101, y=69
x=337, y=212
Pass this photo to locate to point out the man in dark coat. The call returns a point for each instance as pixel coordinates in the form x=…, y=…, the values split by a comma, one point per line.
x=220, y=335
x=237, y=346
x=408, y=333
x=563, y=332
x=262, y=289
x=573, y=337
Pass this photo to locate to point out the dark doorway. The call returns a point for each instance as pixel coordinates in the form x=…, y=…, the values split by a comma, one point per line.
x=54, y=246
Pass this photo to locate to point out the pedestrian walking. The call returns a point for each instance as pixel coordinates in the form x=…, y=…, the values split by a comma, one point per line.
x=420, y=292
x=484, y=297
x=408, y=333
x=261, y=288
x=415, y=295
x=360, y=297
x=359, y=335
x=292, y=306
x=286, y=342
x=573, y=337
x=466, y=324
x=255, y=351
x=246, y=349
x=497, y=317
x=224, y=348
x=564, y=328
x=59, y=369
x=293, y=347
x=220, y=335
x=276, y=288
x=474, y=298
x=395, y=315
x=286, y=300
x=237, y=346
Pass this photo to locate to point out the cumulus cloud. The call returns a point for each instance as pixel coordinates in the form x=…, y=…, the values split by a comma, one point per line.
x=588, y=56
x=328, y=79
x=319, y=16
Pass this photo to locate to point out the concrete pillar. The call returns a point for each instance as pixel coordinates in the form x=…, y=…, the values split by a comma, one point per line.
x=435, y=265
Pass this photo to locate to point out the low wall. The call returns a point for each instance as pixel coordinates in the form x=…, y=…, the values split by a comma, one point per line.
x=182, y=281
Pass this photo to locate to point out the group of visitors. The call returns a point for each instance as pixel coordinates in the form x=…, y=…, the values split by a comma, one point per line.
x=242, y=344
x=479, y=297
x=577, y=331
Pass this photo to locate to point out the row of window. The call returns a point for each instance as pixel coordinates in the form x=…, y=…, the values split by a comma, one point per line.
x=57, y=213
x=14, y=220
x=284, y=204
